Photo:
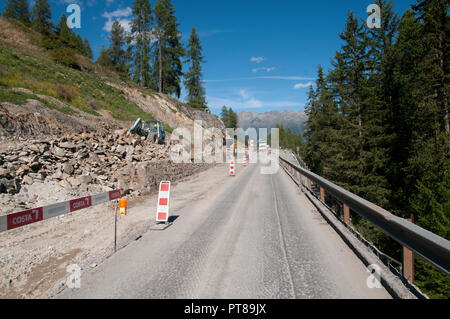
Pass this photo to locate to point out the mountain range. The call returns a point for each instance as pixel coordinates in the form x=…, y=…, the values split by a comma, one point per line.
x=287, y=118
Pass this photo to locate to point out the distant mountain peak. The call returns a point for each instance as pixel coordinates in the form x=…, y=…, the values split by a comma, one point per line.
x=287, y=118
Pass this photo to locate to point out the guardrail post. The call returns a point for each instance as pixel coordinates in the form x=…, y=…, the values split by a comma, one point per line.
x=322, y=195
x=346, y=214
x=309, y=185
x=408, y=260
x=300, y=177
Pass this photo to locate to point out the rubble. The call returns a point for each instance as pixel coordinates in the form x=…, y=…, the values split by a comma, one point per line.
x=78, y=162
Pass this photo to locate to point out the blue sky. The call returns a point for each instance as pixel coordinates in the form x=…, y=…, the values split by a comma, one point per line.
x=260, y=55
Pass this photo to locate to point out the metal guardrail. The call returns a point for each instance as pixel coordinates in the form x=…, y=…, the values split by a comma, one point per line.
x=426, y=244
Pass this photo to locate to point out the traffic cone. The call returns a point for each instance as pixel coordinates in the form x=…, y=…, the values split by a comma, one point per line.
x=232, y=170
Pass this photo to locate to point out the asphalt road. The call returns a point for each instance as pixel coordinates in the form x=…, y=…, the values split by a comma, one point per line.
x=250, y=236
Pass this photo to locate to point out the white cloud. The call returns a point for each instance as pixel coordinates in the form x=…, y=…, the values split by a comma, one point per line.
x=303, y=85
x=255, y=70
x=244, y=94
x=118, y=14
x=125, y=23
x=246, y=100
x=257, y=59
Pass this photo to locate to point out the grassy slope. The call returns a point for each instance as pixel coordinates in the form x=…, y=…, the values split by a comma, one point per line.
x=34, y=69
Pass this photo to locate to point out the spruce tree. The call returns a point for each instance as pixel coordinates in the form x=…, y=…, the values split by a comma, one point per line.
x=168, y=50
x=348, y=84
x=62, y=30
x=80, y=45
x=193, y=78
x=18, y=9
x=232, y=119
x=429, y=159
x=116, y=50
x=408, y=77
x=378, y=111
x=104, y=58
x=224, y=116
x=87, y=48
x=42, y=17
x=139, y=42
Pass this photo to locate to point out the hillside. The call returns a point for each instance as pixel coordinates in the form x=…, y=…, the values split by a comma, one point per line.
x=45, y=103
x=72, y=93
x=287, y=118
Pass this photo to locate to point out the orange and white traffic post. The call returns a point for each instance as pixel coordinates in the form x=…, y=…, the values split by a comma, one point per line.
x=232, y=169
x=123, y=207
x=245, y=160
x=162, y=212
x=123, y=212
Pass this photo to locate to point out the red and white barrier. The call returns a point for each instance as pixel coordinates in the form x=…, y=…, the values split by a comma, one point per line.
x=245, y=160
x=35, y=215
x=232, y=169
x=162, y=212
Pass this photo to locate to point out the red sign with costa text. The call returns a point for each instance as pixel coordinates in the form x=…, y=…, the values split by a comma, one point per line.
x=24, y=218
x=80, y=203
x=115, y=194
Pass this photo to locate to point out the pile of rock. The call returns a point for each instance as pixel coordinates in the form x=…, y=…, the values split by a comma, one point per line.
x=75, y=161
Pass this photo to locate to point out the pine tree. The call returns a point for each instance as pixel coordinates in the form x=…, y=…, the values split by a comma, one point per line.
x=42, y=17
x=18, y=9
x=139, y=42
x=193, y=78
x=323, y=130
x=436, y=21
x=348, y=84
x=224, y=116
x=429, y=159
x=87, y=48
x=378, y=112
x=407, y=92
x=62, y=30
x=232, y=119
x=104, y=58
x=80, y=45
x=116, y=50
x=168, y=50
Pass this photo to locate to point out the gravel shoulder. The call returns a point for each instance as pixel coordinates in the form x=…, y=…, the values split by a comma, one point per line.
x=34, y=258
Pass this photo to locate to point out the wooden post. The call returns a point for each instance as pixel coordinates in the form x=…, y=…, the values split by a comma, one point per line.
x=322, y=195
x=309, y=185
x=408, y=260
x=346, y=214
x=115, y=227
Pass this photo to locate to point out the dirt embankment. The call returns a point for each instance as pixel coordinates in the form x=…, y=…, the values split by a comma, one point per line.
x=48, y=156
